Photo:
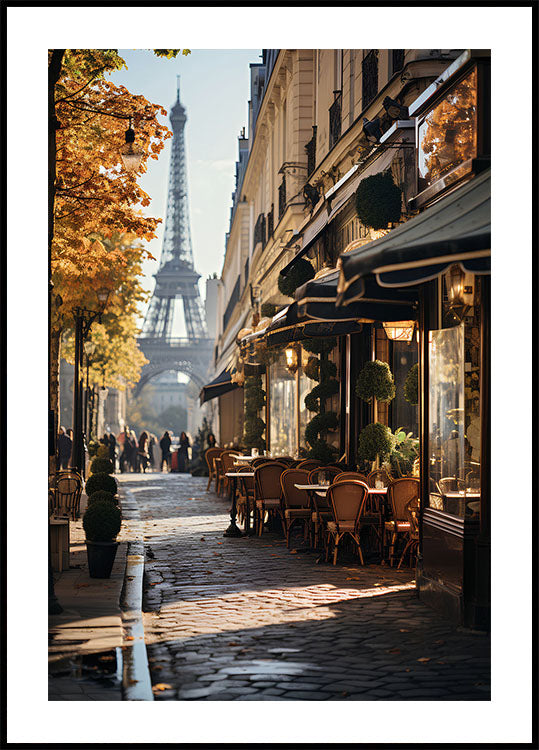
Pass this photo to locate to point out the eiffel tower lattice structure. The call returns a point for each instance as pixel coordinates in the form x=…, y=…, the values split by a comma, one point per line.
x=176, y=282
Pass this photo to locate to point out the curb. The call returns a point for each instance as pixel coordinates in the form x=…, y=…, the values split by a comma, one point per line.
x=136, y=681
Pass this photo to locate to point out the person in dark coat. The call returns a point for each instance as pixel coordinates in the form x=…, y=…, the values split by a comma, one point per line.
x=151, y=450
x=143, y=451
x=165, y=444
x=133, y=450
x=212, y=442
x=183, y=453
x=112, y=449
x=64, y=446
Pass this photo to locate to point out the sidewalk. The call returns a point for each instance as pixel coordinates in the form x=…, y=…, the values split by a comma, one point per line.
x=85, y=640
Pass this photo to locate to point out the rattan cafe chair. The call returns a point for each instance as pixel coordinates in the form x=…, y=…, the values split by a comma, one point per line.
x=67, y=489
x=400, y=492
x=296, y=502
x=268, y=494
x=411, y=510
x=308, y=464
x=347, y=501
x=209, y=456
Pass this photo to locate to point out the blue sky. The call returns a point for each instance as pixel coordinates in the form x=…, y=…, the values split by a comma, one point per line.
x=214, y=87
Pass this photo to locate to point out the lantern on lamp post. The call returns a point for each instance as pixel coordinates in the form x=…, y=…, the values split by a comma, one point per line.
x=130, y=154
x=400, y=330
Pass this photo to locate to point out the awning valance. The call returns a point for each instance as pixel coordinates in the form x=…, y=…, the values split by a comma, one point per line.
x=454, y=230
x=288, y=327
x=316, y=300
x=218, y=387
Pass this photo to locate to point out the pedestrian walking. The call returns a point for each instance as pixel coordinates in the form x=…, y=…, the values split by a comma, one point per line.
x=164, y=444
x=69, y=433
x=122, y=443
x=151, y=450
x=133, y=458
x=142, y=452
x=112, y=449
x=64, y=446
x=183, y=453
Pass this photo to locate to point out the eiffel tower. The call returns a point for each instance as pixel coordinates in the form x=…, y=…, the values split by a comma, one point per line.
x=176, y=281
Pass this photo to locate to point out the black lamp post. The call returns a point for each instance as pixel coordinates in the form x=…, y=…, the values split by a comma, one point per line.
x=83, y=322
x=89, y=349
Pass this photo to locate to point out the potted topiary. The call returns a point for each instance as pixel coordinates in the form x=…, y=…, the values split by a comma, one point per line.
x=411, y=385
x=375, y=442
x=378, y=201
x=101, y=523
x=99, y=495
x=101, y=481
x=101, y=466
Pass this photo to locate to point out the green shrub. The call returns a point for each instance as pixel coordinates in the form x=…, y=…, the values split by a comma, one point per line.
x=101, y=466
x=102, y=521
x=374, y=440
x=299, y=274
x=321, y=345
x=378, y=201
x=267, y=310
x=320, y=423
x=100, y=495
x=411, y=385
x=102, y=451
x=375, y=379
x=101, y=481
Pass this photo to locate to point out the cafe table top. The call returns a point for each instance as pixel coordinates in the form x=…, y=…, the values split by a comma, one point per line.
x=323, y=488
x=240, y=474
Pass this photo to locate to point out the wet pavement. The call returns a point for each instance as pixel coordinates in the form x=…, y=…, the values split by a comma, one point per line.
x=248, y=619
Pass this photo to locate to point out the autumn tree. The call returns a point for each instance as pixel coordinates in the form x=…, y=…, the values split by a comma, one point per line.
x=93, y=201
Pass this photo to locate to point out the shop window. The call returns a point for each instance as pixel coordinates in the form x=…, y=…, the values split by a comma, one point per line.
x=448, y=134
x=403, y=413
x=283, y=409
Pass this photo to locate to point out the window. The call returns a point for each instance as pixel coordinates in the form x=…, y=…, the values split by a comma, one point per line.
x=335, y=120
x=369, y=77
x=448, y=132
x=397, y=60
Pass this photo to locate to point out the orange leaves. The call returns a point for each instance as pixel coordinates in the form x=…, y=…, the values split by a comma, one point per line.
x=161, y=686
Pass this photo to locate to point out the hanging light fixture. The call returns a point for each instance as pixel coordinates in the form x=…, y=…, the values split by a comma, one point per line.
x=400, y=330
x=131, y=157
x=291, y=359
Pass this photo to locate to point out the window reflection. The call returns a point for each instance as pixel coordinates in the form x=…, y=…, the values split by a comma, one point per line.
x=448, y=134
x=283, y=435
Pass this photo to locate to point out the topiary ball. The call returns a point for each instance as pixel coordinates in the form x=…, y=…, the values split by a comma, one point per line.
x=378, y=201
x=299, y=274
x=411, y=385
x=375, y=379
x=101, y=495
x=102, y=521
x=101, y=481
x=374, y=440
x=322, y=345
x=268, y=310
x=101, y=466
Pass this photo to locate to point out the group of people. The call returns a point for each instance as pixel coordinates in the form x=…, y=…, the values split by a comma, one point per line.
x=134, y=455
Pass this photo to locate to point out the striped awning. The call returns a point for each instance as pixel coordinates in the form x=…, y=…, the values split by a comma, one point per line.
x=456, y=229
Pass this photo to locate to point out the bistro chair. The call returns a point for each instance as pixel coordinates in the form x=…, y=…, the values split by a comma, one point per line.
x=210, y=454
x=260, y=461
x=321, y=473
x=379, y=475
x=288, y=460
x=308, y=464
x=451, y=484
x=226, y=464
x=412, y=510
x=67, y=490
x=321, y=511
x=346, y=500
x=400, y=492
x=246, y=497
x=268, y=494
x=352, y=475
x=296, y=503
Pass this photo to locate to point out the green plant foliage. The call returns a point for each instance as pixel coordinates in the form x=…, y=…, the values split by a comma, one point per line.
x=375, y=380
x=318, y=424
x=267, y=310
x=323, y=391
x=101, y=481
x=404, y=453
x=198, y=465
x=93, y=445
x=322, y=345
x=374, y=440
x=378, y=201
x=317, y=369
x=101, y=466
x=299, y=274
x=102, y=521
x=322, y=451
x=102, y=451
x=411, y=385
x=254, y=400
x=100, y=495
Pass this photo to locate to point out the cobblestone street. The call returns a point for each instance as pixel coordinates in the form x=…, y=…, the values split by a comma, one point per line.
x=248, y=619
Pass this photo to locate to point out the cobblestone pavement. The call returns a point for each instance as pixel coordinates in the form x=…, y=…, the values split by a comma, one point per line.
x=247, y=619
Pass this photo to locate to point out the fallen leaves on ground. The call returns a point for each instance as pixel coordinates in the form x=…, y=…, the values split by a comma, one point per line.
x=233, y=643
x=105, y=657
x=161, y=686
x=394, y=651
x=132, y=682
x=209, y=572
x=158, y=666
x=344, y=693
x=424, y=658
x=353, y=578
x=439, y=643
x=293, y=552
x=81, y=585
x=202, y=539
x=404, y=630
x=129, y=638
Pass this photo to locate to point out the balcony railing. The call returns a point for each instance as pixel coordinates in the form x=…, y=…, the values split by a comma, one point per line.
x=260, y=231
x=310, y=148
x=369, y=76
x=232, y=302
x=269, y=222
x=335, y=120
x=282, y=197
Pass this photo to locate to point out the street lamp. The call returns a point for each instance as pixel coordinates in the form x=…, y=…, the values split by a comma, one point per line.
x=89, y=349
x=131, y=158
x=83, y=322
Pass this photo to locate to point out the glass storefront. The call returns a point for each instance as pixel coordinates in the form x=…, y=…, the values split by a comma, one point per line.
x=282, y=409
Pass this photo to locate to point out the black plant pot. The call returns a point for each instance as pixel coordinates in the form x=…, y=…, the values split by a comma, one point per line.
x=101, y=556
